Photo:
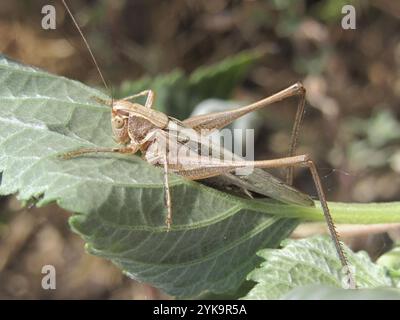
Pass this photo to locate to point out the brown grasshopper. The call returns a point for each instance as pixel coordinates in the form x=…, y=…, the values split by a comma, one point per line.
x=174, y=146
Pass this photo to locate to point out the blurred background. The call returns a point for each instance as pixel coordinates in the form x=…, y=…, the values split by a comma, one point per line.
x=351, y=127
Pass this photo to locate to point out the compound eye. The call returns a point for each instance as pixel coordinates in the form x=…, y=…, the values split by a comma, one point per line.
x=118, y=122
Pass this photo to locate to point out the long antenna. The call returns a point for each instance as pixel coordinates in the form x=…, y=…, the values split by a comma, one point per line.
x=86, y=43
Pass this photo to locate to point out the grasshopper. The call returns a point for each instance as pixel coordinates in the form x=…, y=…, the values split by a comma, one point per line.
x=173, y=145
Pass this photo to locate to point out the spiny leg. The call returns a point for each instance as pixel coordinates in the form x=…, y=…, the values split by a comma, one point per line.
x=216, y=167
x=296, y=130
x=149, y=100
x=219, y=120
x=328, y=217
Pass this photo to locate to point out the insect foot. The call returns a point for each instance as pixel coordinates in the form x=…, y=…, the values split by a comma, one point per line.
x=168, y=222
x=69, y=155
x=101, y=101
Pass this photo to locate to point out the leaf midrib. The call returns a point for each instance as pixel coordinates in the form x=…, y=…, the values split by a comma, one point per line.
x=209, y=256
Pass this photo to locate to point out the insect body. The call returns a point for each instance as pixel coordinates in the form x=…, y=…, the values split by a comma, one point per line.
x=173, y=145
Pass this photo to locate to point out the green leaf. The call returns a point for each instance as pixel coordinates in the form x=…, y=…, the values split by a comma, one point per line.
x=307, y=262
x=323, y=292
x=219, y=80
x=118, y=199
x=391, y=261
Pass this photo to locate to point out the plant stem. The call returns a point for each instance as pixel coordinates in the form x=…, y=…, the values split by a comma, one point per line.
x=354, y=213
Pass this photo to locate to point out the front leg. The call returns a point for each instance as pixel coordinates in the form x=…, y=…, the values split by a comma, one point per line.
x=108, y=103
x=149, y=100
x=79, y=152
